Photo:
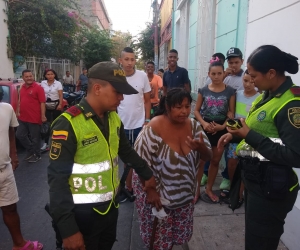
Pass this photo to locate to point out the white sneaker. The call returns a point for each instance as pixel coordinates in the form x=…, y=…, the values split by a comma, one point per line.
x=44, y=146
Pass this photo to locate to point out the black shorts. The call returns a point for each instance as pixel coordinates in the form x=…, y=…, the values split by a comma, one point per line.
x=214, y=139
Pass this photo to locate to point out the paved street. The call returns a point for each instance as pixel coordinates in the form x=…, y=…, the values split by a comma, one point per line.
x=35, y=222
x=227, y=228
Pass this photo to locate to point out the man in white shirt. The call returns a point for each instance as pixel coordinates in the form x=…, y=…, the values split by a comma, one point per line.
x=134, y=110
x=68, y=80
x=8, y=189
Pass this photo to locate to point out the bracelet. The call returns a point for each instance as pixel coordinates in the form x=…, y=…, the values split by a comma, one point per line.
x=147, y=120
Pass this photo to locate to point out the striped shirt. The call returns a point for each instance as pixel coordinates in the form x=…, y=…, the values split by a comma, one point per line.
x=175, y=174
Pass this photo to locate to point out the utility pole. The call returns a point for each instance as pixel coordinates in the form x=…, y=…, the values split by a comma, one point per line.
x=155, y=23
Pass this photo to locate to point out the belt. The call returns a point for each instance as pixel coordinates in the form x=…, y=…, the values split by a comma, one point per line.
x=248, y=151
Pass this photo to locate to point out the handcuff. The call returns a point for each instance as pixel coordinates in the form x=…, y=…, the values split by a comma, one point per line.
x=234, y=124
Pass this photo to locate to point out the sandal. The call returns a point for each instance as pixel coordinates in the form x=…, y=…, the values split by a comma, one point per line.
x=28, y=246
x=209, y=199
x=240, y=203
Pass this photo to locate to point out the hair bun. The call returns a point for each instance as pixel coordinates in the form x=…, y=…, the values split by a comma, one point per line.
x=291, y=63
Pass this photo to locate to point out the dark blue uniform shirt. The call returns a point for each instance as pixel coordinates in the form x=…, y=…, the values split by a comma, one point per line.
x=176, y=79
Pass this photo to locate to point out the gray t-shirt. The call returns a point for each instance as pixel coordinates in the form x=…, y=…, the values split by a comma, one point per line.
x=235, y=81
x=215, y=104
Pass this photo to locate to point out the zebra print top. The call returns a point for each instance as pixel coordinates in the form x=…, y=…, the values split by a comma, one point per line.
x=175, y=174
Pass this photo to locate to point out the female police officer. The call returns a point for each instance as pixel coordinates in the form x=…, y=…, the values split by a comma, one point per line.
x=270, y=147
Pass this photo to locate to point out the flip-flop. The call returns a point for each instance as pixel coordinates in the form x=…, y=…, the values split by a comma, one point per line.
x=204, y=196
x=36, y=246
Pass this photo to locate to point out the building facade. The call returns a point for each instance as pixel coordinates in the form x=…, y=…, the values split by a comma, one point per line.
x=165, y=9
x=203, y=27
x=95, y=14
x=6, y=69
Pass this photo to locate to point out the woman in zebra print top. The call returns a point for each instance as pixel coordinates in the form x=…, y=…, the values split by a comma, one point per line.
x=172, y=144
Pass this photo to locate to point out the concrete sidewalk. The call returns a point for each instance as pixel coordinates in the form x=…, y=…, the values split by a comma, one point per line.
x=216, y=227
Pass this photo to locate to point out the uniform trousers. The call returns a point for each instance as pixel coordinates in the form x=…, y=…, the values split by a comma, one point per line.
x=99, y=231
x=265, y=217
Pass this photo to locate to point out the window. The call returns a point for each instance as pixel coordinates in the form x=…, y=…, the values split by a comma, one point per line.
x=6, y=94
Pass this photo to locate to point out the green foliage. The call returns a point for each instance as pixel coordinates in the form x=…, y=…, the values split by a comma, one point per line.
x=144, y=43
x=43, y=28
x=98, y=47
x=120, y=41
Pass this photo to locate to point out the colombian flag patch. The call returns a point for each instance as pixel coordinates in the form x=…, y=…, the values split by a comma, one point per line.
x=60, y=135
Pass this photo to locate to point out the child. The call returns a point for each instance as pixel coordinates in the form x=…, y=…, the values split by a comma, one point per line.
x=215, y=103
x=234, y=79
x=244, y=99
x=234, y=72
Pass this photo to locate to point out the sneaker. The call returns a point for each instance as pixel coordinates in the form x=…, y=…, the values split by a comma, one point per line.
x=123, y=197
x=35, y=158
x=44, y=147
x=204, y=180
x=225, y=184
x=28, y=156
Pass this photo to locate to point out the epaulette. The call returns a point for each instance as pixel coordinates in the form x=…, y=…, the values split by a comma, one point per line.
x=74, y=110
x=295, y=90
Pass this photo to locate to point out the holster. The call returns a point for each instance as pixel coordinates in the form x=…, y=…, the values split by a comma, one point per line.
x=252, y=169
x=273, y=179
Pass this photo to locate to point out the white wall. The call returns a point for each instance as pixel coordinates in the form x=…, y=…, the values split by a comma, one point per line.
x=6, y=68
x=276, y=22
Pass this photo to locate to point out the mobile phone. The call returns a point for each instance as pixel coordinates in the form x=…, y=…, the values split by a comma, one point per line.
x=234, y=123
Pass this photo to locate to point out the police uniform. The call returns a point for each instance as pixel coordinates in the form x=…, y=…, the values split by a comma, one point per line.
x=83, y=170
x=268, y=154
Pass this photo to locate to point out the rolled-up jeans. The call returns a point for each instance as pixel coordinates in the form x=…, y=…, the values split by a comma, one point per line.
x=29, y=135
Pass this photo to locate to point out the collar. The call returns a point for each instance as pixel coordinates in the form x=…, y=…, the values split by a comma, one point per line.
x=240, y=73
x=87, y=110
x=30, y=86
x=287, y=84
x=177, y=68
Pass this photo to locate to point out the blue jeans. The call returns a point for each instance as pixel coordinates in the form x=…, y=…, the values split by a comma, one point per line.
x=224, y=172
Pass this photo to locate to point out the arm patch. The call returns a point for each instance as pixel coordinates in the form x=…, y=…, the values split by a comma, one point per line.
x=74, y=111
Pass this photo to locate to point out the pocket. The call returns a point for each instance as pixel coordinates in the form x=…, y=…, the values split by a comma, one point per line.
x=276, y=182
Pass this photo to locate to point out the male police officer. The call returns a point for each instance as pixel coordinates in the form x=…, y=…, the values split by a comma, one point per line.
x=83, y=172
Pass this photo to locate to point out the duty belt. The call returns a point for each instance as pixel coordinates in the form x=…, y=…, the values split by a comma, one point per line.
x=247, y=151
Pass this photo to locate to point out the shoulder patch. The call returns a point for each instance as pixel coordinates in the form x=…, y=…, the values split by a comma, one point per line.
x=55, y=150
x=74, y=111
x=295, y=90
x=294, y=116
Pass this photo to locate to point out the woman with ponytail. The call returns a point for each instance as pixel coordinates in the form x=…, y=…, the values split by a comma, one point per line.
x=269, y=148
x=172, y=144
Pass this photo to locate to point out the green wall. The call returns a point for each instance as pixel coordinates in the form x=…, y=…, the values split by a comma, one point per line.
x=231, y=25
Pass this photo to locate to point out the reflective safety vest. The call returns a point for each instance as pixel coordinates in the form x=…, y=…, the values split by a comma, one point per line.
x=261, y=120
x=95, y=171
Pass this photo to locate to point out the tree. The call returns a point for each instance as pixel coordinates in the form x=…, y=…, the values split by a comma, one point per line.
x=98, y=47
x=144, y=43
x=43, y=28
x=120, y=41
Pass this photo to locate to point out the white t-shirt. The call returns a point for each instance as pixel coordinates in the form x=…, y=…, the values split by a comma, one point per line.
x=68, y=79
x=52, y=90
x=132, y=108
x=8, y=119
